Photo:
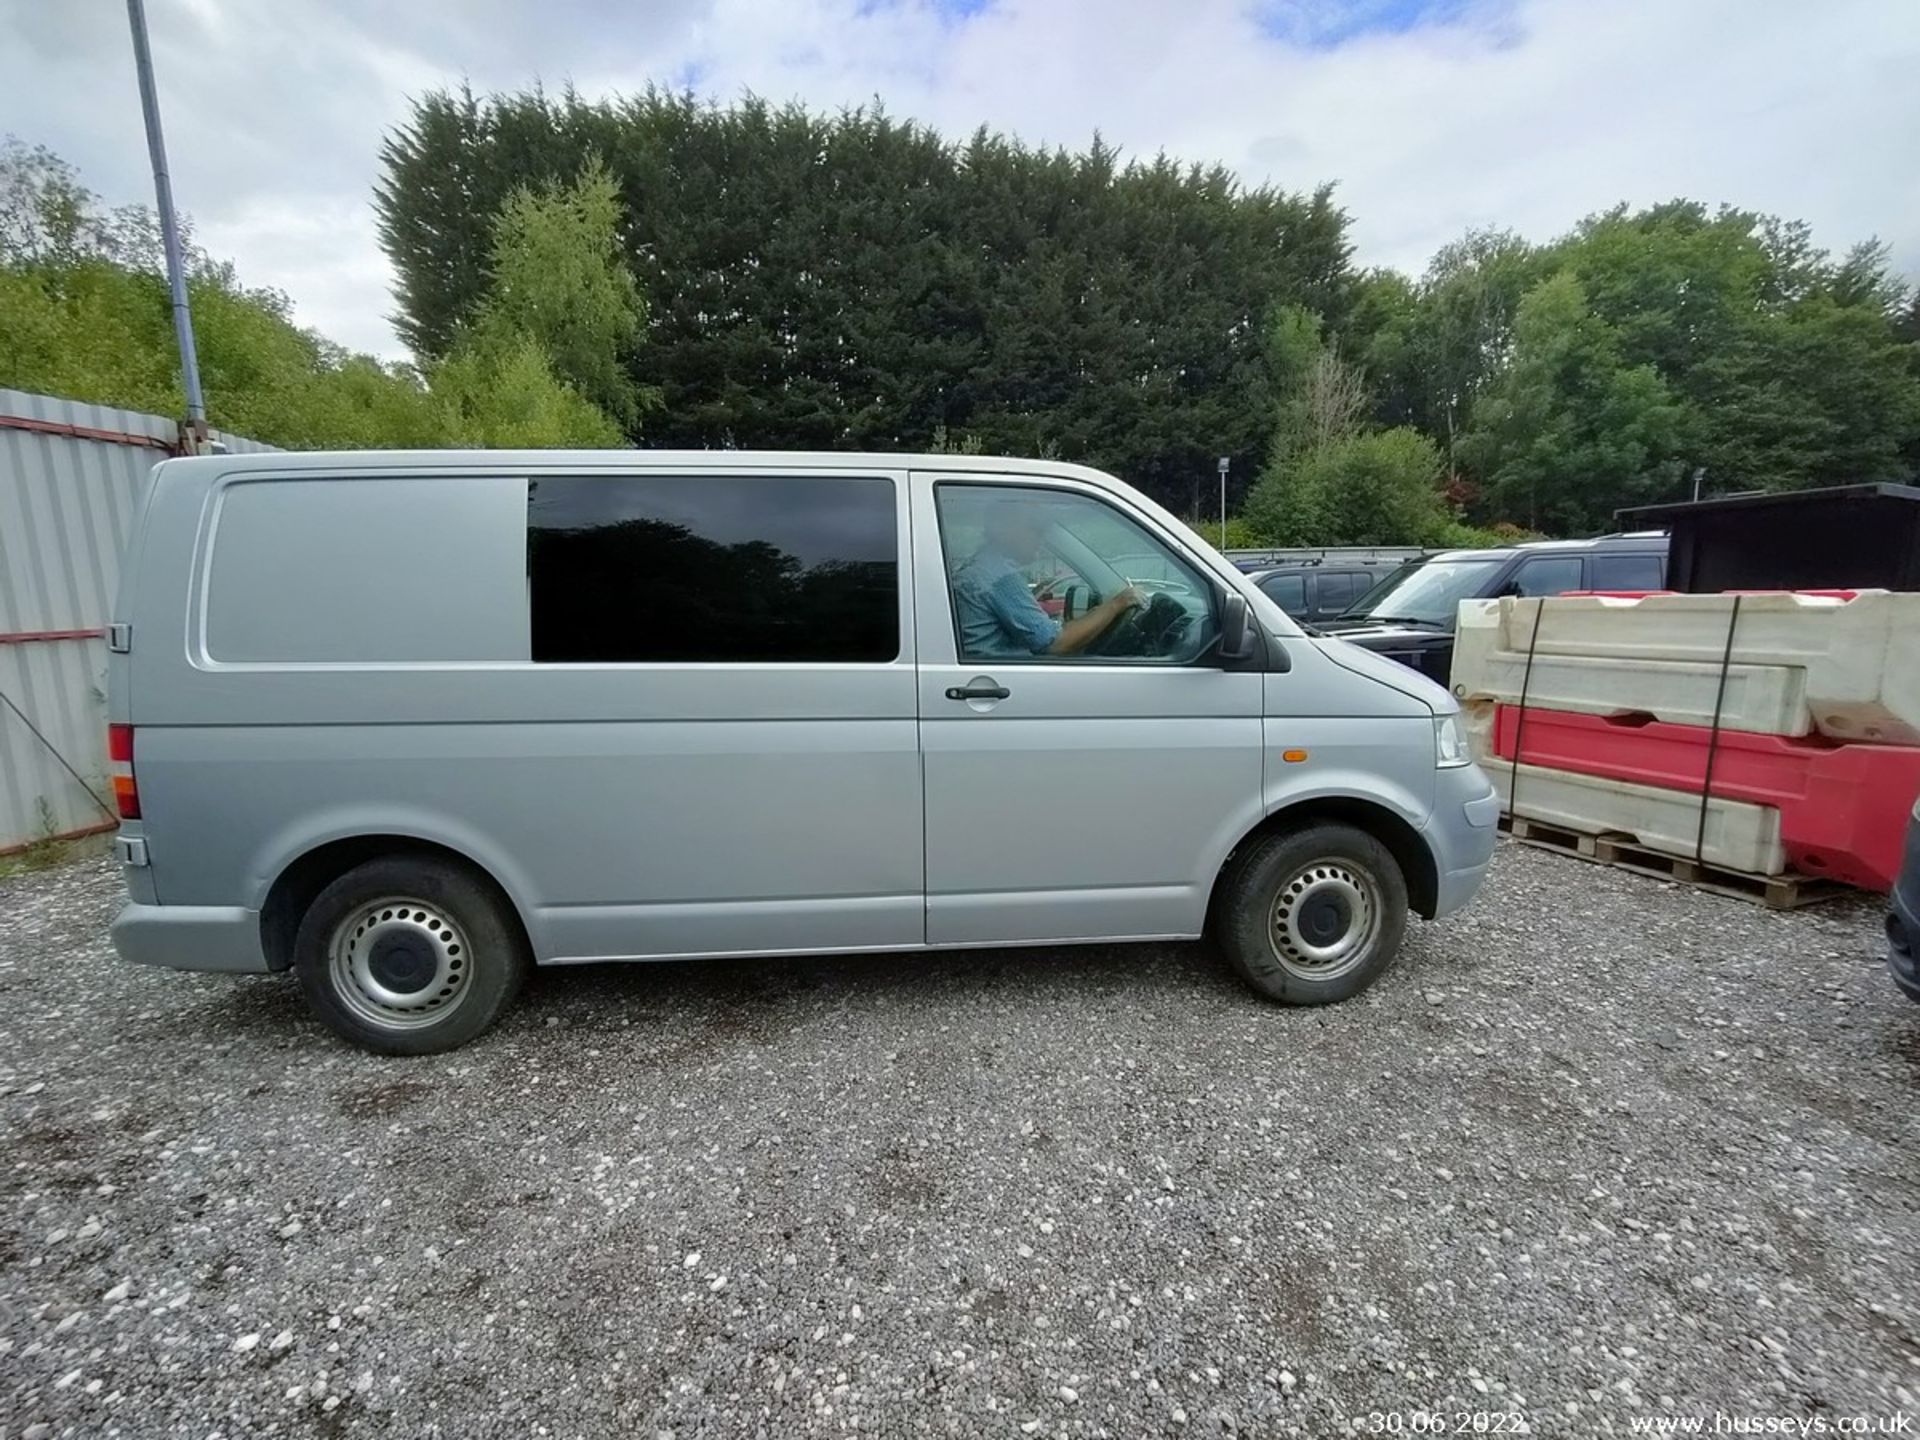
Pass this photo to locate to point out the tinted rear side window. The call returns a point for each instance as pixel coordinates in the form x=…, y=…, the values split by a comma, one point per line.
x=1289, y=592
x=1334, y=590
x=691, y=569
x=1548, y=575
x=1626, y=572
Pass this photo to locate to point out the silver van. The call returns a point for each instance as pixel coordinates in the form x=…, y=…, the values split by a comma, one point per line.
x=408, y=723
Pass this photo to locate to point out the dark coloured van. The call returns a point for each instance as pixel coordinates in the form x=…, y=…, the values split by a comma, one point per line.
x=1409, y=616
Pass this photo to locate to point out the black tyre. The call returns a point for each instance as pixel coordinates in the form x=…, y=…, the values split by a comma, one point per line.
x=1313, y=915
x=408, y=955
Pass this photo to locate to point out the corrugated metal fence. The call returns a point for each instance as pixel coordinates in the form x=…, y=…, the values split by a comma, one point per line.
x=70, y=478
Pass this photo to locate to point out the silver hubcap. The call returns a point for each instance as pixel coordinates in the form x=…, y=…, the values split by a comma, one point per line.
x=400, y=963
x=1325, y=919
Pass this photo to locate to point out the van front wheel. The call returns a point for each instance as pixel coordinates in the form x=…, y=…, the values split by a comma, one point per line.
x=1313, y=915
x=409, y=956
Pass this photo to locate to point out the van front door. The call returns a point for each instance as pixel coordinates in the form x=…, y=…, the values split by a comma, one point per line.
x=1086, y=763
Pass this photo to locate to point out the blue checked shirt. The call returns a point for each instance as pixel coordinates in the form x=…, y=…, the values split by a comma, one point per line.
x=998, y=614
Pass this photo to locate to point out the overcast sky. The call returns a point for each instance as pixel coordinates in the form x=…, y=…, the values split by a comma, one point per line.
x=1430, y=115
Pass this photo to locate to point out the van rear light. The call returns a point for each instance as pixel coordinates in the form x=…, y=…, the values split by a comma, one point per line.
x=126, y=793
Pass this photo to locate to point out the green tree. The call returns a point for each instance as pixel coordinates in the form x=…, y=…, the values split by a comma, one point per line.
x=1430, y=359
x=47, y=217
x=1378, y=488
x=1824, y=394
x=1329, y=478
x=1725, y=340
x=1787, y=364
x=500, y=392
x=87, y=330
x=558, y=277
x=1321, y=398
x=1384, y=332
x=1570, y=430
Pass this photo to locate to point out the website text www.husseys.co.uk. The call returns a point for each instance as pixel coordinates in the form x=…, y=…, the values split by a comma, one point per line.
x=1722, y=1422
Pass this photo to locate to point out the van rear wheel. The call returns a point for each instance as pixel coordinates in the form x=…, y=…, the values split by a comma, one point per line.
x=409, y=955
x=1313, y=915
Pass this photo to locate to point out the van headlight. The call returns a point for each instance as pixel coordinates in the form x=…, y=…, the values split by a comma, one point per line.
x=1450, y=742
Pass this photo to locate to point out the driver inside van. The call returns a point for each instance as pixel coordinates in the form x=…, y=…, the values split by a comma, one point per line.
x=999, y=616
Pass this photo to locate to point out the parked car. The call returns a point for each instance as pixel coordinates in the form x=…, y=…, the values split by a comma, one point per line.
x=1903, y=915
x=1410, y=614
x=1319, y=590
x=406, y=724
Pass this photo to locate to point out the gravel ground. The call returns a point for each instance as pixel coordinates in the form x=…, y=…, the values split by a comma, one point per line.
x=1598, y=1148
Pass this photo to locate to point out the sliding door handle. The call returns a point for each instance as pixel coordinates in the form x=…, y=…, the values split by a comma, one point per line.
x=978, y=690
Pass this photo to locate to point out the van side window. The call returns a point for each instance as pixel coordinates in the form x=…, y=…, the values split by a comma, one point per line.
x=1626, y=572
x=713, y=568
x=1547, y=575
x=1289, y=592
x=1334, y=590
x=366, y=569
x=1055, y=576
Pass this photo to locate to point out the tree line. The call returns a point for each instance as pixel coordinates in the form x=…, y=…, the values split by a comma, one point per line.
x=661, y=271
x=854, y=281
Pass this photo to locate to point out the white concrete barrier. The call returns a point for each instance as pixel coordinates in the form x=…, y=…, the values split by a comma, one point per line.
x=1799, y=663
x=1738, y=835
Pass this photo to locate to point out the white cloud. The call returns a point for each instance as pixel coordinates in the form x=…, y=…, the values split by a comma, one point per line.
x=1523, y=113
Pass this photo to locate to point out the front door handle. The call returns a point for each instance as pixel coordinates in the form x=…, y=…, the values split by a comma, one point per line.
x=978, y=690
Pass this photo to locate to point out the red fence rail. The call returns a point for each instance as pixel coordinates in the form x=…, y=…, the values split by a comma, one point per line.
x=83, y=432
x=35, y=637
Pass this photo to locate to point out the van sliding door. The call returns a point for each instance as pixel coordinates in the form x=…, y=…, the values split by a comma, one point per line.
x=734, y=766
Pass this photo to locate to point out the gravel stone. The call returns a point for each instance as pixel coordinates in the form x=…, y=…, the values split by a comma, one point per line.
x=1654, y=1152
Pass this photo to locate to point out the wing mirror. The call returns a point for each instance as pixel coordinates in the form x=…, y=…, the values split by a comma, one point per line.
x=1236, y=636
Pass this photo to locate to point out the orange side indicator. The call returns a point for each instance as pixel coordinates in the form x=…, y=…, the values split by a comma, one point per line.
x=1293, y=757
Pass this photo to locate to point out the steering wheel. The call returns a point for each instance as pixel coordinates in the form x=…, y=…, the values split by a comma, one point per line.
x=1156, y=628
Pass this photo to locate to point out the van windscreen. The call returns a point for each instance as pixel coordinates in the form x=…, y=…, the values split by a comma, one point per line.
x=1423, y=592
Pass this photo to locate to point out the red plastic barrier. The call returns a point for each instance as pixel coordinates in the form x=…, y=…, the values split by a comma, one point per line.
x=1643, y=594
x=1843, y=808
x=1818, y=594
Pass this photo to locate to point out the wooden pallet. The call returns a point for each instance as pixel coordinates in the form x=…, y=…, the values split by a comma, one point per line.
x=1623, y=852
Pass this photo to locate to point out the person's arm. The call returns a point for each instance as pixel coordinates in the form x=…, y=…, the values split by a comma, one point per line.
x=1076, y=635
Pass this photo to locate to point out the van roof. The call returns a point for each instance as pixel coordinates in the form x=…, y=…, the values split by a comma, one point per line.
x=1332, y=562
x=589, y=461
x=1649, y=542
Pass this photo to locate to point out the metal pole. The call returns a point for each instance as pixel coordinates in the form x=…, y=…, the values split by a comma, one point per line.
x=169, y=227
x=1225, y=461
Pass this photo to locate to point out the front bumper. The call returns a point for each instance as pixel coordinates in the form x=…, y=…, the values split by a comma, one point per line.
x=191, y=937
x=1461, y=833
x=1903, y=918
